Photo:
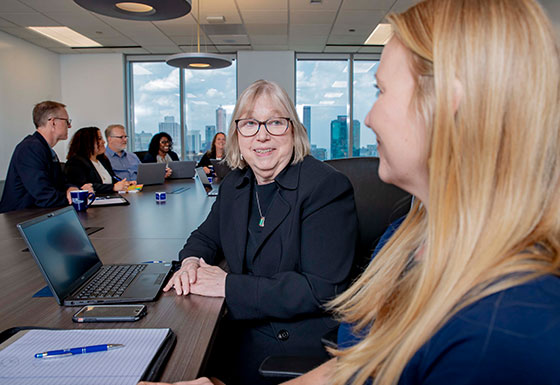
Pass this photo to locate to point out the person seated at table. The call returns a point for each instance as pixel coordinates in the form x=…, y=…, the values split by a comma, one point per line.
x=87, y=163
x=124, y=163
x=35, y=178
x=286, y=224
x=467, y=290
x=216, y=151
x=160, y=151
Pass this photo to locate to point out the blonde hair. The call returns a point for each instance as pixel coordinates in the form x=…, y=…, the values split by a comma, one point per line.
x=110, y=128
x=247, y=101
x=494, y=171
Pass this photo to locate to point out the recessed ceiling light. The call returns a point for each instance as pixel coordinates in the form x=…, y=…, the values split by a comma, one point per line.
x=380, y=35
x=138, y=9
x=66, y=36
x=135, y=7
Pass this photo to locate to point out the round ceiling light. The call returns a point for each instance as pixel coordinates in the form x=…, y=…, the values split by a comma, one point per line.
x=138, y=9
x=198, y=61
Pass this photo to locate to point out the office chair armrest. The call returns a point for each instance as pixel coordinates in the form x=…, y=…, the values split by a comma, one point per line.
x=287, y=367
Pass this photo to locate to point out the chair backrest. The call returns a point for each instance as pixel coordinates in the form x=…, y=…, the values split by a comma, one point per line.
x=377, y=203
x=141, y=155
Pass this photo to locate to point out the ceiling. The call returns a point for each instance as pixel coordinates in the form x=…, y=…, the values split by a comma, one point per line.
x=269, y=25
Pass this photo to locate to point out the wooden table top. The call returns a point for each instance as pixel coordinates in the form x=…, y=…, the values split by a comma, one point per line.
x=143, y=231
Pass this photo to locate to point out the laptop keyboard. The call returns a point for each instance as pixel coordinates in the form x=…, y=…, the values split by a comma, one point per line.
x=111, y=281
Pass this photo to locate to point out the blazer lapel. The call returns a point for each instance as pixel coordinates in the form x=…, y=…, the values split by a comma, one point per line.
x=240, y=213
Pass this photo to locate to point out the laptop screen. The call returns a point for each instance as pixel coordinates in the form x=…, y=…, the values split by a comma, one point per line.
x=62, y=248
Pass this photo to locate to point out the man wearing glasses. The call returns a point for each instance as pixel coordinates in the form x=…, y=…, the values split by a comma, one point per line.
x=35, y=178
x=125, y=164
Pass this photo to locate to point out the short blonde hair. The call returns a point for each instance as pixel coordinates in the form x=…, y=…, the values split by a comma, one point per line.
x=110, y=128
x=246, y=102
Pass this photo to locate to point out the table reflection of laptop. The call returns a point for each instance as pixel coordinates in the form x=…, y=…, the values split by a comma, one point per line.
x=151, y=173
x=221, y=168
x=182, y=169
x=211, y=190
x=74, y=272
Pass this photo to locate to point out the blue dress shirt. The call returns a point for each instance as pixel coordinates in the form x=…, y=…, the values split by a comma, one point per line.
x=124, y=165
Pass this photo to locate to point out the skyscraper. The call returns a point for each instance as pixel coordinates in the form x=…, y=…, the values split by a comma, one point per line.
x=171, y=127
x=307, y=120
x=193, y=142
x=220, y=119
x=339, y=137
x=210, y=131
x=356, y=138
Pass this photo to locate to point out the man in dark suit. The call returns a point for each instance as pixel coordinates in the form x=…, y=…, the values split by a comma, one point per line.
x=35, y=178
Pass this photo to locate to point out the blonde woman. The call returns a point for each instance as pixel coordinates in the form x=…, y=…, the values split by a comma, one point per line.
x=466, y=291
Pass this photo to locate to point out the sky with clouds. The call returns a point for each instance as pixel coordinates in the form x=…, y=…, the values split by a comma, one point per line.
x=322, y=85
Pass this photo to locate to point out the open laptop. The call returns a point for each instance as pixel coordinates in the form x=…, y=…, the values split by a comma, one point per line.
x=71, y=267
x=211, y=190
x=182, y=169
x=221, y=168
x=151, y=173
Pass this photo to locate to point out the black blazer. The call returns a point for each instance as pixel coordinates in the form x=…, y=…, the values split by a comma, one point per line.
x=34, y=178
x=149, y=158
x=303, y=260
x=80, y=171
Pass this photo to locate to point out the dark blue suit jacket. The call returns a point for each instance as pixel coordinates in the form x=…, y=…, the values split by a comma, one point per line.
x=34, y=178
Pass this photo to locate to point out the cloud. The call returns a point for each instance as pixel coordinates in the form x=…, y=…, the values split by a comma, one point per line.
x=164, y=84
x=139, y=69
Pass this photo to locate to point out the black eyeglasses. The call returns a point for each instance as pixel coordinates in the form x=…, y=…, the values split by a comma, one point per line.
x=274, y=126
x=120, y=136
x=68, y=121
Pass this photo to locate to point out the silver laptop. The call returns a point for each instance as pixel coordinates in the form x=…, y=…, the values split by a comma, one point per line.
x=74, y=272
x=151, y=173
x=221, y=168
x=211, y=190
x=182, y=169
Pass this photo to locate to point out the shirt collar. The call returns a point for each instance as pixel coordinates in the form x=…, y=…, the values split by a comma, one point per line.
x=287, y=179
x=110, y=152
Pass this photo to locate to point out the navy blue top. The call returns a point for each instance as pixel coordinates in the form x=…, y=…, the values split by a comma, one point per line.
x=510, y=337
x=35, y=178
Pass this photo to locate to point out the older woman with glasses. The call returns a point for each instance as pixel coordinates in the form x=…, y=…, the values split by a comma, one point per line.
x=87, y=163
x=286, y=225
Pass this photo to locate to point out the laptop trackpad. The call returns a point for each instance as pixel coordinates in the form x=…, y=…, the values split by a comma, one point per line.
x=145, y=284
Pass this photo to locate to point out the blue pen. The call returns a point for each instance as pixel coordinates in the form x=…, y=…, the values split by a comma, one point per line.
x=82, y=350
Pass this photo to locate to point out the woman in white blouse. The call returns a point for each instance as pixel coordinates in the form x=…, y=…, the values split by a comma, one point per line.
x=87, y=163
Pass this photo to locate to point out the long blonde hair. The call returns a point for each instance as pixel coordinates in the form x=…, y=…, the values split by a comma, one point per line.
x=494, y=169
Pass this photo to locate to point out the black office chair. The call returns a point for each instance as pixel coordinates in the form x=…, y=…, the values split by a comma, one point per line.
x=377, y=205
x=141, y=155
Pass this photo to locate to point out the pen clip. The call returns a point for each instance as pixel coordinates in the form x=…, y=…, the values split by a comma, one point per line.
x=46, y=355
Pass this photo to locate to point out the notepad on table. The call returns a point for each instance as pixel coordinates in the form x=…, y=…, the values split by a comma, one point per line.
x=109, y=201
x=120, y=366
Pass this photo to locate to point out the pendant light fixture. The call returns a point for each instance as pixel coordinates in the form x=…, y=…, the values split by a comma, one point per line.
x=149, y=10
x=198, y=60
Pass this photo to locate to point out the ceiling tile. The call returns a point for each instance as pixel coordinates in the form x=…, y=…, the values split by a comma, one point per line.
x=34, y=19
x=269, y=39
x=14, y=6
x=6, y=23
x=229, y=39
x=166, y=49
x=46, y=6
x=312, y=17
x=305, y=29
x=325, y=5
x=262, y=17
x=270, y=47
x=272, y=5
x=266, y=29
x=349, y=5
x=363, y=17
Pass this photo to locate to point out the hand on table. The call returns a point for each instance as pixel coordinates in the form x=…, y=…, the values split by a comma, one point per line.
x=206, y=170
x=198, y=381
x=184, y=277
x=168, y=172
x=121, y=185
x=210, y=281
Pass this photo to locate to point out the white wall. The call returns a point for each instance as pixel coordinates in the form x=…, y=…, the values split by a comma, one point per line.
x=278, y=66
x=28, y=75
x=93, y=89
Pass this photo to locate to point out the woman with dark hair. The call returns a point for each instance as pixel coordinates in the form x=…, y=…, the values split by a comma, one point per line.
x=217, y=151
x=87, y=162
x=160, y=149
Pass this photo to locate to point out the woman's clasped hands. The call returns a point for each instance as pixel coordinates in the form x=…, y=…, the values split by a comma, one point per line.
x=197, y=277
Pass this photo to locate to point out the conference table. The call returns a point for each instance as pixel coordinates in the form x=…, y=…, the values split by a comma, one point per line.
x=142, y=231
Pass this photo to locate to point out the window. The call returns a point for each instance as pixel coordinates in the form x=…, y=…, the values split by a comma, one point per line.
x=323, y=89
x=155, y=100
